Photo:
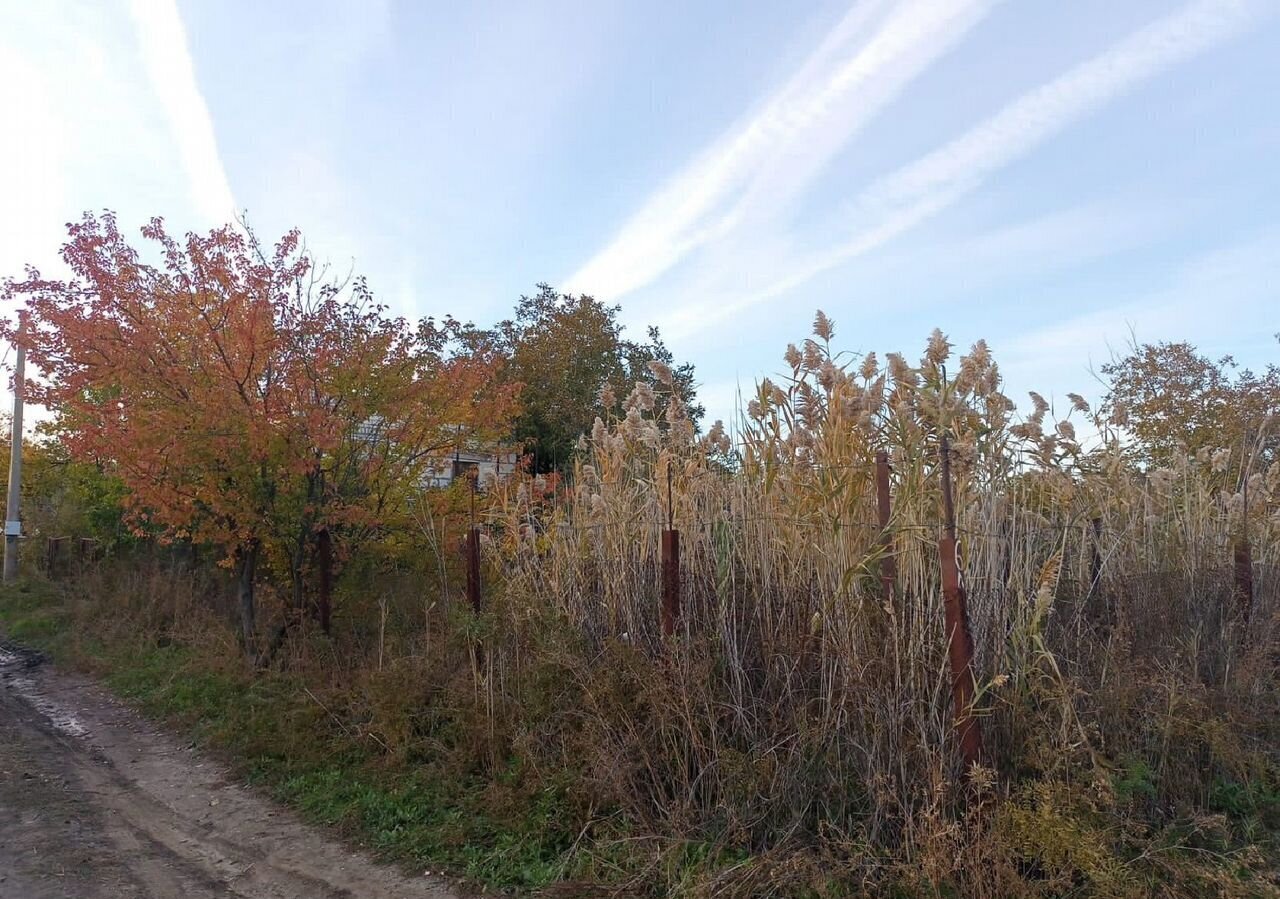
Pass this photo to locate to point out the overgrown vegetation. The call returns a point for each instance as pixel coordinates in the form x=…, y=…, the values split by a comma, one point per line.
x=801, y=716
x=795, y=735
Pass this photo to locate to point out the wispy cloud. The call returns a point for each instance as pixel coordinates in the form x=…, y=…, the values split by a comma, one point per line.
x=920, y=190
x=163, y=42
x=769, y=157
x=1204, y=299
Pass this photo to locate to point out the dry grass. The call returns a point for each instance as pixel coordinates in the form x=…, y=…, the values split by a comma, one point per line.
x=803, y=714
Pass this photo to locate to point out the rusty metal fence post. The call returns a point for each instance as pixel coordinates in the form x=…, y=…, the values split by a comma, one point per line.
x=959, y=638
x=473, y=568
x=1244, y=576
x=473, y=552
x=1244, y=558
x=670, y=581
x=888, y=565
x=670, y=613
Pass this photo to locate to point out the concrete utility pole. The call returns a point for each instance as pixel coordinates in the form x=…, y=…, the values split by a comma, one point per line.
x=13, y=523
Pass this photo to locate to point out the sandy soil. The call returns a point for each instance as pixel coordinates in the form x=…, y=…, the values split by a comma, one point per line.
x=96, y=804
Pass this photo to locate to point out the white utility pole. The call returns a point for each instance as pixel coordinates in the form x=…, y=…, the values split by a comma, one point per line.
x=13, y=522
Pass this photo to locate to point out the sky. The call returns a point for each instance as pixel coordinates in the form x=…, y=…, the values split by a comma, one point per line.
x=1056, y=178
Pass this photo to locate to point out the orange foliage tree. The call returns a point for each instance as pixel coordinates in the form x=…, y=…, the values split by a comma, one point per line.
x=246, y=399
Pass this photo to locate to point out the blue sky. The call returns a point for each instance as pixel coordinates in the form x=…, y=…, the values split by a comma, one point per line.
x=1050, y=176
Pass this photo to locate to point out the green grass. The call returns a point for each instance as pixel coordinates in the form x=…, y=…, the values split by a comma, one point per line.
x=31, y=614
x=425, y=813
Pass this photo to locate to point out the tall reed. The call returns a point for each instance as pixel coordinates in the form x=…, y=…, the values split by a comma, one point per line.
x=800, y=704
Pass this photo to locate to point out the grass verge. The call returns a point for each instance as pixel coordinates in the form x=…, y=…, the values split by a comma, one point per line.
x=277, y=732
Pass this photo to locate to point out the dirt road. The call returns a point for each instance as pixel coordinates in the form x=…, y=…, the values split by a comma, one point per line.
x=95, y=804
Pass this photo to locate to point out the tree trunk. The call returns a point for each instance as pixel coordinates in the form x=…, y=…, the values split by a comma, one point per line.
x=248, y=571
x=324, y=552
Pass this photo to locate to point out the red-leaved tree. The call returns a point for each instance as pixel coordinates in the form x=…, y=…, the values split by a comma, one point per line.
x=246, y=399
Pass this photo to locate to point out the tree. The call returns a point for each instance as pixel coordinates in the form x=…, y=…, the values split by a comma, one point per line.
x=62, y=496
x=565, y=350
x=380, y=400
x=244, y=399
x=1172, y=398
x=639, y=367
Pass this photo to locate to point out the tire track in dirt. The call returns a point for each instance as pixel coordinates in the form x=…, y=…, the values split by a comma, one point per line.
x=94, y=803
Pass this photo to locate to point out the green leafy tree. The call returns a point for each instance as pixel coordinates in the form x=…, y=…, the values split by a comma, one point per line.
x=569, y=354
x=639, y=367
